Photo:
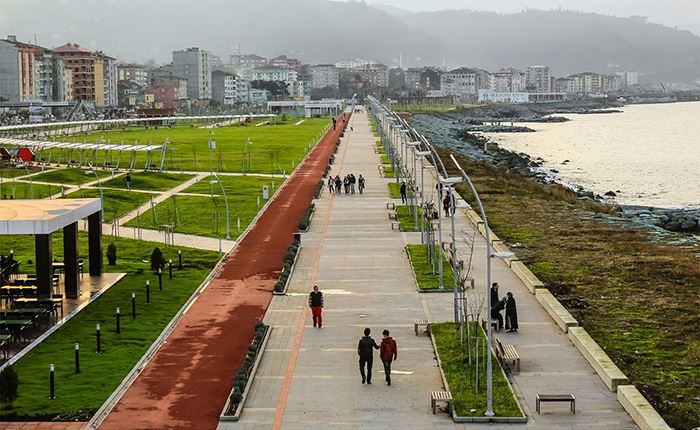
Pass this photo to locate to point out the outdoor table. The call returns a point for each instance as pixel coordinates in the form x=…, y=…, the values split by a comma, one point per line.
x=19, y=287
x=20, y=323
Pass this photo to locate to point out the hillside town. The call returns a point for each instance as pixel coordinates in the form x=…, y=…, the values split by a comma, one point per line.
x=73, y=82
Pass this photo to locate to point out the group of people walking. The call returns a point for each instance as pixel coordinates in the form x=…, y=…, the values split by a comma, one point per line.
x=348, y=184
x=388, y=351
x=507, y=303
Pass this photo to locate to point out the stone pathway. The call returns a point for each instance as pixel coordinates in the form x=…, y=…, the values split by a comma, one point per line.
x=308, y=377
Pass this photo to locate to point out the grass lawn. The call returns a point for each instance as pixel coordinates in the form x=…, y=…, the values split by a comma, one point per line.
x=385, y=159
x=22, y=190
x=380, y=147
x=148, y=181
x=423, y=269
x=116, y=202
x=461, y=377
x=274, y=148
x=407, y=221
x=388, y=172
x=394, y=190
x=12, y=172
x=72, y=176
x=100, y=374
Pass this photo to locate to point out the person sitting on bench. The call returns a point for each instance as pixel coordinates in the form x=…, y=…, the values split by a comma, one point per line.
x=496, y=312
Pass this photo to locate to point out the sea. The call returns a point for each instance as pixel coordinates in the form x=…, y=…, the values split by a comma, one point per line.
x=648, y=155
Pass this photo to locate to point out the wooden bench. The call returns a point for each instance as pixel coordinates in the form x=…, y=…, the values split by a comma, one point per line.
x=556, y=398
x=508, y=354
x=441, y=396
x=494, y=324
x=391, y=206
x=420, y=323
x=395, y=225
x=392, y=215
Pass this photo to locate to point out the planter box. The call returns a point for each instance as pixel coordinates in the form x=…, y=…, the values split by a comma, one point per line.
x=643, y=414
x=291, y=271
x=239, y=408
x=415, y=281
x=524, y=274
x=459, y=419
x=311, y=217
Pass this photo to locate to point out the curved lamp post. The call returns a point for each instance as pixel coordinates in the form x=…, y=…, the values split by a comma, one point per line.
x=228, y=219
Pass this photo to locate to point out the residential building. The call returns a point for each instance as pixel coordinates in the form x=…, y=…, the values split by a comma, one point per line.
x=132, y=72
x=413, y=77
x=539, y=79
x=295, y=89
x=9, y=71
x=460, y=83
x=193, y=64
x=94, y=74
x=508, y=80
x=224, y=87
x=376, y=75
x=397, y=78
x=257, y=97
x=324, y=76
x=354, y=63
x=627, y=79
x=565, y=85
x=430, y=79
x=244, y=63
x=285, y=62
x=169, y=93
x=271, y=73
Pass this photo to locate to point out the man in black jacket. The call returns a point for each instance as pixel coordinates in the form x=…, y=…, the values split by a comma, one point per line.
x=316, y=305
x=366, y=353
x=494, y=294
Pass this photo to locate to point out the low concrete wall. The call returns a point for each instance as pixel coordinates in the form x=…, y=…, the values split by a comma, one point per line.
x=555, y=309
x=611, y=375
x=529, y=279
x=643, y=414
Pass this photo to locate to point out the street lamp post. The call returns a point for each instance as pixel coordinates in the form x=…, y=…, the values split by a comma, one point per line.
x=450, y=183
x=421, y=156
x=228, y=220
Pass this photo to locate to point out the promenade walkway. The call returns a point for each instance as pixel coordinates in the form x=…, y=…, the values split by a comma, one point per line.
x=308, y=377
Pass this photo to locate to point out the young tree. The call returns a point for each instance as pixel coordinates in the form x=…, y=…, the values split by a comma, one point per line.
x=8, y=386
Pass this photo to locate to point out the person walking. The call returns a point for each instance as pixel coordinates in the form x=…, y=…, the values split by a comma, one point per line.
x=511, y=314
x=361, y=183
x=338, y=184
x=352, y=183
x=402, y=190
x=447, y=203
x=496, y=312
x=387, y=353
x=316, y=305
x=346, y=184
x=127, y=180
x=330, y=184
x=364, y=350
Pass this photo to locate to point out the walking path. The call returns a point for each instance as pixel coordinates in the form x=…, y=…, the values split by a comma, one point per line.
x=187, y=382
x=309, y=378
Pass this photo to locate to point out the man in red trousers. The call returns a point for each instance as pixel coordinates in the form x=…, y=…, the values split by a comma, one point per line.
x=316, y=304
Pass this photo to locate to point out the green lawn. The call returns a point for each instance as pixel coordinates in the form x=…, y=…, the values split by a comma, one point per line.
x=101, y=373
x=388, y=172
x=12, y=172
x=72, y=176
x=275, y=148
x=394, y=190
x=461, y=376
x=385, y=159
x=407, y=221
x=149, y=181
x=23, y=190
x=116, y=202
x=423, y=269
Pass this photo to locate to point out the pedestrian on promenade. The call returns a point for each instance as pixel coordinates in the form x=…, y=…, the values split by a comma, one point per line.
x=316, y=304
x=511, y=314
x=127, y=180
x=361, y=183
x=388, y=354
x=338, y=184
x=352, y=129
x=496, y=312
x=334, y=123
x=346, y=184
x=447, y=204
x=330, y=184
x=494, y=294
x=353, y=180
x=438, y=187
x=364, y=350
x=402, y=190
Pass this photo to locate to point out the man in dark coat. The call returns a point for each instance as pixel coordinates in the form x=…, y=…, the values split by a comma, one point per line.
x=494, y=294
x=511, y=314
x=388, y=354
x=366, y=353
x=496, y=312
x=402, y=190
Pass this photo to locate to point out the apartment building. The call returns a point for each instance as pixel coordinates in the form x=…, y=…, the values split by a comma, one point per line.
x=132, y=72
x=508, y=80
x=224, y=87
x=94, y=74
x=539, y=79
x=193, y=65
x=323, y=76
x=462, y=83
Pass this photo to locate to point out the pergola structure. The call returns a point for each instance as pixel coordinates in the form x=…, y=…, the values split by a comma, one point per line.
x=42, y=218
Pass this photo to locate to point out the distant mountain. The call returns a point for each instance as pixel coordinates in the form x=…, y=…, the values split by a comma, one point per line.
x=567, y=41
x=326, y=31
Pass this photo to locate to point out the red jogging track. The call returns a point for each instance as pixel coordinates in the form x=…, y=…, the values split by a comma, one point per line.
x=187, y=383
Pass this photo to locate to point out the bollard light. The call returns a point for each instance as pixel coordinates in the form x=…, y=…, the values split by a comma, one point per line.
x=52, y=394
x=77, y=357
x=170, y=269
x=118, y=315
x=160, y=279
x=97, y=335
x=179, y=259
x=133, y=305
x=148, y=291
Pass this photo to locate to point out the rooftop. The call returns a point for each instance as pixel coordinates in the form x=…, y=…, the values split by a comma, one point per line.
x=43, y=216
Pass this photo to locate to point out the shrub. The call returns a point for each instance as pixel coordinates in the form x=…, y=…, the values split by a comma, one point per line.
x=240, y=384
x=157, y=260
x=306, y=217
x=8, y=386
x=112, y=254
x=236, y=396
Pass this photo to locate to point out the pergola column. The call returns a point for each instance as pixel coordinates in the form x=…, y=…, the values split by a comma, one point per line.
x=95, y=243
x=70, y=258
x=44, y=265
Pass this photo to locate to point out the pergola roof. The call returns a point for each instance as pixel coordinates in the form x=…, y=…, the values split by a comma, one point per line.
x=34, y=144
x=43, y=216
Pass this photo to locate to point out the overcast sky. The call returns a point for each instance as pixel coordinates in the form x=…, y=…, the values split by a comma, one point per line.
x=684, y=14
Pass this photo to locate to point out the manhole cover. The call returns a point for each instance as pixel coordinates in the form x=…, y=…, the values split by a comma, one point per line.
x=362, y=315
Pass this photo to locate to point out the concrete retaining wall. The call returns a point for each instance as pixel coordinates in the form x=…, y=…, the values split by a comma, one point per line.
x=643, y=414
x=555, y=309
x=611, y=375
x=529, y=279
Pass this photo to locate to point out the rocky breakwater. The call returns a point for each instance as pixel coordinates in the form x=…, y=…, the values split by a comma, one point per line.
x=499, y=128
x=684, y=220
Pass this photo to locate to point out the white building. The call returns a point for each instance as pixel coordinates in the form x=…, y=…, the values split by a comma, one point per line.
x=377, y=75
x=193, y=64
x=413, y=77
x=295, y=89
x=503, y=96
x=225, y=87
x=353, y=63
x=460, y=83
x=508, y=81
x=270, y=73
x=324, y=76
x=132, y=72
x=539, y=79
x=307, y=108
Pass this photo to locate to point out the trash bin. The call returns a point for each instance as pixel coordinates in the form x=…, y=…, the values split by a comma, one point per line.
x=330, y=160
x=266, y=192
